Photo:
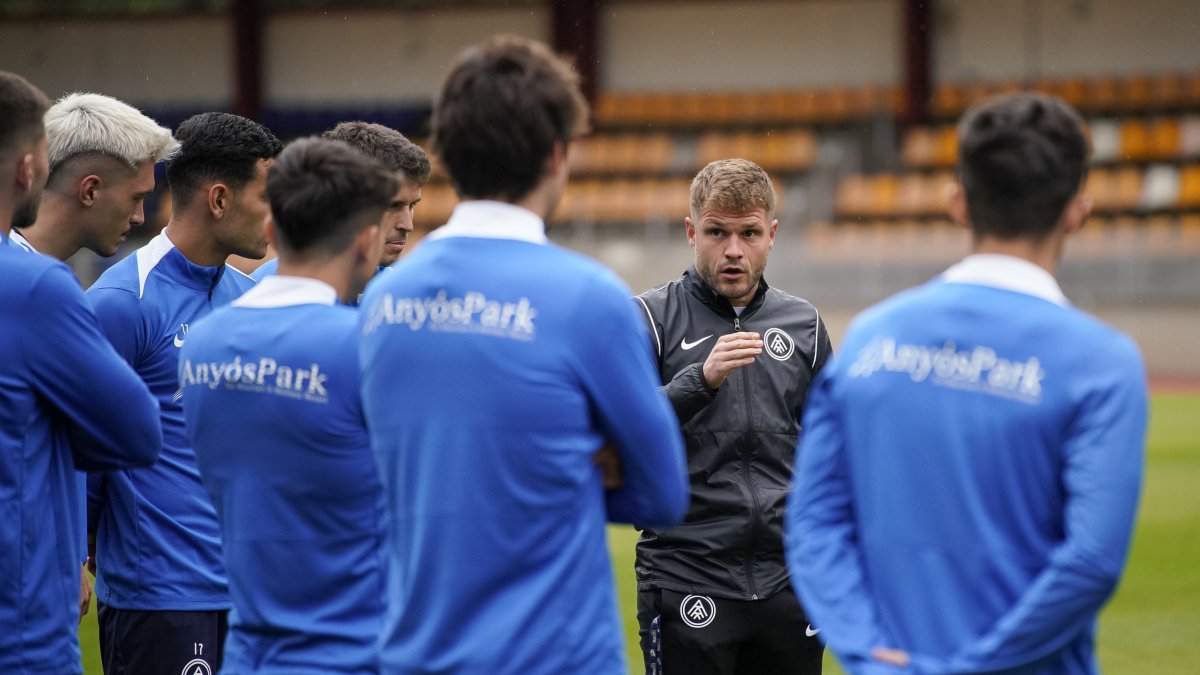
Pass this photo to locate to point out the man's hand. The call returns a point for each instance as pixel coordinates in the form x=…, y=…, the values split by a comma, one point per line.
x=610, y=466
x=892, y=657
x=85, y=592
x=731, y=352
x=91, y=551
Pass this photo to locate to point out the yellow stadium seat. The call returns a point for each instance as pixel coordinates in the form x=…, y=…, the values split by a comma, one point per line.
x=1102, y=95
x=949, y=100
x=919, y=148
x=1073, y=90
x=1189, y=186
x=1166, y=91
x=1165, y=138
x=947, y=146
x=1135, y=140
x=1134, y=94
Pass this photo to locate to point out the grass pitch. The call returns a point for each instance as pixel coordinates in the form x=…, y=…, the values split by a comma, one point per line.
x=1152, y=622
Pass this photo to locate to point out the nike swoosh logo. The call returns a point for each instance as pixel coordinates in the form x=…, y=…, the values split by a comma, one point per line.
x=809, y=631
x=688, y=345
x=178, y=342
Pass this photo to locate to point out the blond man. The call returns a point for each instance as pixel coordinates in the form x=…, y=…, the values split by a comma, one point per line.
x=735, y=357
x=102, y=154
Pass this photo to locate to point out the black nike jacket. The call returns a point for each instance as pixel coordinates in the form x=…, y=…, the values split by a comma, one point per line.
x=741, y=439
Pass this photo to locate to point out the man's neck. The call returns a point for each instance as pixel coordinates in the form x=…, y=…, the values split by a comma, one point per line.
x=1044, y=254
x=192, y=235
x=55, y=233
x=336, y=272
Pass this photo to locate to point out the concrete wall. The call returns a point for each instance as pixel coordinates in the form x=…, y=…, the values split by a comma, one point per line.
x=398, y=56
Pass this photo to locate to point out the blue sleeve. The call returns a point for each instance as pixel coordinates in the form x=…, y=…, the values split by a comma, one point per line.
x=1102, y=476
x=265, y=270
x=119, y=314
x=821, y=539
x=113, y=418
x=618, y=374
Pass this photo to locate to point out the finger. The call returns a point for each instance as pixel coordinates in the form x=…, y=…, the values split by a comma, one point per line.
x=895, y=657
x=743, y=335
x=739, y=344
x=740, y=353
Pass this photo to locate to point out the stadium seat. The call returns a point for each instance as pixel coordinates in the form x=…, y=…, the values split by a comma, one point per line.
x=1160, y=188
x=1134, y=94
x=1189, y=186
x=1102, y=95
x=949, y=100
x=919, y=147
x=1165, y=138
x=1189, y=136
x=1073, y=90
x=1135, y=141
x=1166, y=91
x=1106, y=140
x=788, y=151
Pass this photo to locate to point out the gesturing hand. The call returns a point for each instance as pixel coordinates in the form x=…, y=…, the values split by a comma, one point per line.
x=731, y=352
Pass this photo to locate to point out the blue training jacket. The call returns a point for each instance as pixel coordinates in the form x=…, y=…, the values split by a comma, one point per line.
x=158, y=545
x=494, y=366
x=271, y=396
x=66, y=401
x=968, y=477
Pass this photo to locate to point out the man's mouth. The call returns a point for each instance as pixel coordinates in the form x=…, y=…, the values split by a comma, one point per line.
x=732, y=273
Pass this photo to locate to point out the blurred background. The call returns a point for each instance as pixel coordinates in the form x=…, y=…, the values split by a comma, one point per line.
x=849, y=104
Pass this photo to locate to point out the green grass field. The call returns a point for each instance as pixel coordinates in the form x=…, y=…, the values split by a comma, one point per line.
x=1152, y=623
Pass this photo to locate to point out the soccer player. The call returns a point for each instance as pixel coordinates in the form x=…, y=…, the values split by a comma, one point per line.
x=161, y=585
x=102, y=155
x=495, y=365
x=68, y=403
x=735, y=357
x=272, y=406
x=399, y=155
x=970, y=468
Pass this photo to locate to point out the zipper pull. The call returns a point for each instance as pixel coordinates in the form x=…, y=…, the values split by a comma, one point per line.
x=737, y=324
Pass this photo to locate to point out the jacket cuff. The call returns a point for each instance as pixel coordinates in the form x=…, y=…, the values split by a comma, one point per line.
x=689, y=392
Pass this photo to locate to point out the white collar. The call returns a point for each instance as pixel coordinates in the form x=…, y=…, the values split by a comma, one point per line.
x=1007, y=272
x=20, y=240
x=285, y=291
x=492, y=220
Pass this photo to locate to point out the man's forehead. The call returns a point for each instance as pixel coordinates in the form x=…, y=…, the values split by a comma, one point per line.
x=757, y=217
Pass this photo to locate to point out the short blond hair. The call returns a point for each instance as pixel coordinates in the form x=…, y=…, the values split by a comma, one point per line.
x=79, y=124
x=732, y=186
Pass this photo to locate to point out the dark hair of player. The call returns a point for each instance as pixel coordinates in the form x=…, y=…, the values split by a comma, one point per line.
x=323, y=193
x=1021, y=159
x=502, y=108
x=217, y=147
x=386, y=146
x=22, y=107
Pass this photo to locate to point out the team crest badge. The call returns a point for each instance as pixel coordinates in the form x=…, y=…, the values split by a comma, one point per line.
x=197, y=667
x=779, y=344
x=697, y=611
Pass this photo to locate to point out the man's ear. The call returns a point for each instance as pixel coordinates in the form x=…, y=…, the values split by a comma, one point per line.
x=1076, y=213
x=956, y=204
x=556, y=161
x=89, y=187
x=218, y=200
x=269, y=231
x=24, y=172
x=369, y=242
x=690, y=228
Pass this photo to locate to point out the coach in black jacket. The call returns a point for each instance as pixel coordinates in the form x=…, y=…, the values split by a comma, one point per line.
x=736, y=358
